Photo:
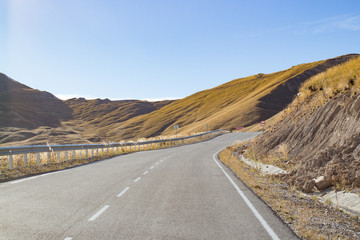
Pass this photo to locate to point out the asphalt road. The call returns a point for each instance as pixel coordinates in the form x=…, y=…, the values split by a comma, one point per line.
x=176, y=193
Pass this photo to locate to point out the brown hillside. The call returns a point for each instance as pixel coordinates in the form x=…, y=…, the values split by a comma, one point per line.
x=92, y=116
x=104, y=112
x=240, y=102
x=29, y=116
x=24, y=107
x=319, y=133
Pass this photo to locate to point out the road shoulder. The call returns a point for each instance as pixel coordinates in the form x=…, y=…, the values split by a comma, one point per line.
x=307, y=217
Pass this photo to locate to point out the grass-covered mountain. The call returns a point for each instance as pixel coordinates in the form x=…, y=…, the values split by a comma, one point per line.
x=240, y=102
x=29, y=116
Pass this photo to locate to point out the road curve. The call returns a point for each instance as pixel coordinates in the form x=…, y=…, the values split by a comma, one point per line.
x=176, y=193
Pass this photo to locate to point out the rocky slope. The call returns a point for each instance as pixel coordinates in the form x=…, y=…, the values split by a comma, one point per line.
x=319, y=133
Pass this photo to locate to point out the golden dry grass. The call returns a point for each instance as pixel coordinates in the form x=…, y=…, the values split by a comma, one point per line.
x=240, y=102
x=35, y=163
x=229, y=105
x=319, y=89
x=335, y=80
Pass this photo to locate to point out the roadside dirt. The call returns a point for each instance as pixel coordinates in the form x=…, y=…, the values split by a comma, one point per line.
x=306, y=216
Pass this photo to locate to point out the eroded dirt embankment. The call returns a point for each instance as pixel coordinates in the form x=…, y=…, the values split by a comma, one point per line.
x=323, y=141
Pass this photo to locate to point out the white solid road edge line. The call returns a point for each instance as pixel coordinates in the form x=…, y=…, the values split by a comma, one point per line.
x=37, y=176
x=123, y=191
x=24, y=179
x=248, y=203
x=98, y=213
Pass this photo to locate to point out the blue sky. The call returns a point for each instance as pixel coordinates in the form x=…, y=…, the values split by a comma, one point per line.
x=141, y=49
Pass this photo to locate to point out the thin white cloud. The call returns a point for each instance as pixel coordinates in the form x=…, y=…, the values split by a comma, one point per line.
x=344, y=22
x=351, y=23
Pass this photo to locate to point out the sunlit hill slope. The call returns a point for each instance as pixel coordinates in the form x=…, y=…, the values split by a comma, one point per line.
x=240, y=102
x=29, y=116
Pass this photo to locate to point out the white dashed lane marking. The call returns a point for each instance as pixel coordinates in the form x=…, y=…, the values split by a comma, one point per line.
x=146, y=172
x=123, y=192
x=151, y=167
x=96, y=215
x=137, y=179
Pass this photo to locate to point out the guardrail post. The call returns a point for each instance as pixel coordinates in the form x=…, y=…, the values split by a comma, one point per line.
x=66, y=156
x=49, y=157
x=10, y=161
x=74, y=154
x=92, y=152
x=87, y=153
x=58, y=156
x=38, y=159
x=25, y=159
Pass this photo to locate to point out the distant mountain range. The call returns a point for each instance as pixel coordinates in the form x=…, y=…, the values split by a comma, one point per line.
x=29, y=116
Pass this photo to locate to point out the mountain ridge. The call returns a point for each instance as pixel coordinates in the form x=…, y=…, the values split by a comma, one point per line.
x=240, y=102
x=231, y=104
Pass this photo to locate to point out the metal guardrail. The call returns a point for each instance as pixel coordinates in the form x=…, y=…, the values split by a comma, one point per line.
x=37, y=149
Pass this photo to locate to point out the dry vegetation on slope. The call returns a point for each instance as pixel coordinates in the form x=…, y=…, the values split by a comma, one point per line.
x=320, y=131
x=317, y=135
x=29, y=116
x=240, y=102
